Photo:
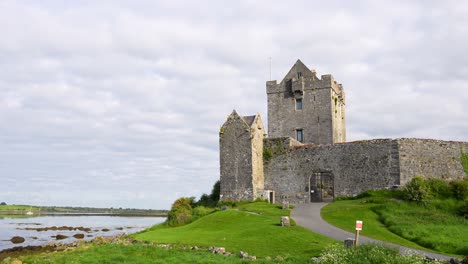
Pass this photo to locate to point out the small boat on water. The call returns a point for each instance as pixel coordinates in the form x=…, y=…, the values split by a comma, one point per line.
x=29, y=212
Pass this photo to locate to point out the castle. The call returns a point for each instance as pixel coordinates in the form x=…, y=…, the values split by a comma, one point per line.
x=305, y=157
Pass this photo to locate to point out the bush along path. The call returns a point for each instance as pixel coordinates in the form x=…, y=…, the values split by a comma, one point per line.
x=308, y=216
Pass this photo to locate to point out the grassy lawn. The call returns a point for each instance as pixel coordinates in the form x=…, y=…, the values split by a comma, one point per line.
x=253, y=228
x=402, y=223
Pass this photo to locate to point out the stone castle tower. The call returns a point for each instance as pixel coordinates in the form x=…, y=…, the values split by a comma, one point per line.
x=299, y=161
x=306, y=108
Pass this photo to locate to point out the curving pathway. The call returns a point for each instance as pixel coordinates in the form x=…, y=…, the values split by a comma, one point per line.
x=308, y=216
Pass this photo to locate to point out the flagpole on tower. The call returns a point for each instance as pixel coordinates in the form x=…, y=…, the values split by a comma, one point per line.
x=270, y=68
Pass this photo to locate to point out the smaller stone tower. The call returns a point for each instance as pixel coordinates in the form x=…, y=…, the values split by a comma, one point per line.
x=306, y=108
x=241, y=157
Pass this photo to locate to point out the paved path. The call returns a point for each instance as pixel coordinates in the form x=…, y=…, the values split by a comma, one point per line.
x=308, y=216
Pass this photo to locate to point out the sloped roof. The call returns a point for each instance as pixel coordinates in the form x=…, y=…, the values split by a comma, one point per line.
x=249, y=119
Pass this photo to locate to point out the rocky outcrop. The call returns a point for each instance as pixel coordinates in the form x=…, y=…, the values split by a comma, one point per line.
x=17, y=240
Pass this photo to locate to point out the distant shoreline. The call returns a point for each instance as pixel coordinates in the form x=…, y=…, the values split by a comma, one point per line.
x=40, y=213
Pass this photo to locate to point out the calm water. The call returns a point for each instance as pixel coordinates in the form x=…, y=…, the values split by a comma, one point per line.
x=10, y=227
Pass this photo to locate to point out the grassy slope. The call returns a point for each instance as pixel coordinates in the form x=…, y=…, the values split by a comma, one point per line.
x=428, y=226
x=344, y=213
x=257, y=233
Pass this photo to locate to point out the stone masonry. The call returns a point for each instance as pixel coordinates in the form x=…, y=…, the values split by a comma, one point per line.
x=320, y=112
x=323, y=166
x=241, y=157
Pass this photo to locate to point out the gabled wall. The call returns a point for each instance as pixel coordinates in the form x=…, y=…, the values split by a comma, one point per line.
x=241, y=158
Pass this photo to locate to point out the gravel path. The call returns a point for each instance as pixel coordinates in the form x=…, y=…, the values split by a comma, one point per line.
x=308, y=216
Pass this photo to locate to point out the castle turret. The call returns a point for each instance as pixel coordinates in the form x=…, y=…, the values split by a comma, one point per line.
x=306, y=108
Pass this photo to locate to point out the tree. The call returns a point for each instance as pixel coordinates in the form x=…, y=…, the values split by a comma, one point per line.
x=216, y=191
x=3, y=203
x=212, y=199
x=181, y=212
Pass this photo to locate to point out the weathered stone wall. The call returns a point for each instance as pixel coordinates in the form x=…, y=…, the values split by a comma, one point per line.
x=431, y=158
x=257, y=135
x=322, y=116
x=338, y=112
x=236, y=160
x=356, y=167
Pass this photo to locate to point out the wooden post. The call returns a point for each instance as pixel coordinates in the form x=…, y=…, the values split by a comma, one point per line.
x=356, y=241
x=358, y=228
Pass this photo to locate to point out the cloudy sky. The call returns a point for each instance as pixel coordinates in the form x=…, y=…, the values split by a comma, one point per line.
x=119, y=103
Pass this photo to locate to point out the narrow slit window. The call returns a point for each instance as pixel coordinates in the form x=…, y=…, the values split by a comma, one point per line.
x=299, y=135
x=298, y=104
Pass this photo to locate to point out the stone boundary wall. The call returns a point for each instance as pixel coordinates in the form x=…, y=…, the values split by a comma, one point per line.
x=431, y=158
x=356, y=167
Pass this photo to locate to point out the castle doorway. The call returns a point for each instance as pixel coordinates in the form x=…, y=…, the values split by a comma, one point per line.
x=321, y=187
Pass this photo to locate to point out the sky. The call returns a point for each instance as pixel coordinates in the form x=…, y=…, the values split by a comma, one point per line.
x=119, y=103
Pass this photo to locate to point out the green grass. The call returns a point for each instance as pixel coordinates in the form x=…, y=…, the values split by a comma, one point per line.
x=402, y=223
x=253, y=228
x=429, y=226
x=118, y=253
x=344, y=214
x=19, y=208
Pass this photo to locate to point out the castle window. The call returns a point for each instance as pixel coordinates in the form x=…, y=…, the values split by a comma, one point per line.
x=299, y=75
x=299, y=135
x=298, y=104
x=289, y=86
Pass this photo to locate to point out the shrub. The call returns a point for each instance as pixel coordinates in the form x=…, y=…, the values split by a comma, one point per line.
x=228, y=203
x=439, y=188
x=417, y=190
x=463, y=210
x=465, y=260
x=181, y=212
x=201, y=211
x=460, y=190
x=212, y=199
x=464, y=161
x=367, y=254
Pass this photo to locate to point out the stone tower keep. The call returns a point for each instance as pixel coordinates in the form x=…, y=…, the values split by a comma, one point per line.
x=311, y=110
x=241, y=157
x=306, y=108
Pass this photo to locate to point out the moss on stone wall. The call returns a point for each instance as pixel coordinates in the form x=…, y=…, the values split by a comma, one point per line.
x=267, y=154
x=274, y=148
x=464, y=161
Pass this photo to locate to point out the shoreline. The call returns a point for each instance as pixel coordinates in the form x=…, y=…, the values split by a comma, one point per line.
x=36, y=213
x=19, y=251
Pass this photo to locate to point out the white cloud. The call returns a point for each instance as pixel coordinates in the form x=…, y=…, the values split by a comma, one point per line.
x=119, y=103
